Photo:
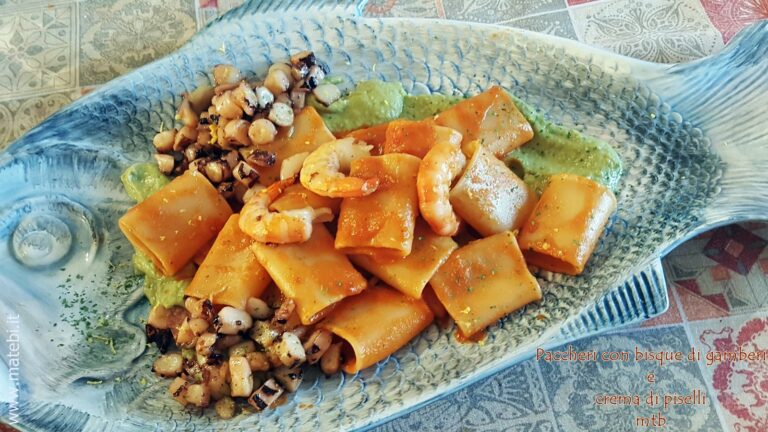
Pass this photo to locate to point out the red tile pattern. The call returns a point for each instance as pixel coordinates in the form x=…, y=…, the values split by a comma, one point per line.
x=735, y=248
x=730, y=16
x=741, y=386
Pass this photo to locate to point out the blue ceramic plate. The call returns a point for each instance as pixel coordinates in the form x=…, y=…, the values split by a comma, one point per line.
x=690, y=135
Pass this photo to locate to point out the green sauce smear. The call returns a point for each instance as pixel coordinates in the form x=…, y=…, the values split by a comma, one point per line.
x=370, y=103
x=423, y=106
x=140, y=181
x=554, y=149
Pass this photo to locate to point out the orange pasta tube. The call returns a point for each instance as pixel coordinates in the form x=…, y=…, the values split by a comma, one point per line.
x=381, y=223
x=566, y=224
x=375, y=324
x=417, y=137
x=374, y=135
x=230, y=273
x=490, y=197
x=297, y=196
x=306, y=134
x=410, y=275
x=314, y=274
x=491, y=118
x=483, y=281
x=175, y=222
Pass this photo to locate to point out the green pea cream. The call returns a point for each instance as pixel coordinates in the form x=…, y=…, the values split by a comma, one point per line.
x=140, y=181
x=553, y=150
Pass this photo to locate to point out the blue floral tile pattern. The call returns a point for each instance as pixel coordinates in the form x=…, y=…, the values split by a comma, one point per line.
x=554, y=23
x=658, y=31
x=18, y=115
x=513, y=400
x=494, y=11
x=143, y=29
x=37, y=49
x=573, y=386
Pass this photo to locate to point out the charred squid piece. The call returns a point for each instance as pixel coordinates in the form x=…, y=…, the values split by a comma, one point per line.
x=258, y=308
x=330, y=363
x=168, y=365
x=184, y=137
x=278, y=78
x=185, y=114
x=193, y=152
x=264, y=334
x=261, y=132
x=245, y=174
x=246, y=98
x=205, y=344
x=185, y=337
x=165, y=163
x=226, y=189
x=204, y=120
x=162, y=338
x=283, y=313
x=317, y=344
x=281, y=114
x=240, y=376
x=178, y=390
x=199, y=308
x=231, y=321
x=327, y=94
x=264, y=98
x=236, y=133
x=261, y=158
x=289, y=350
x=301, y=62
x=289, y=378
x=163, y=141
x=217, y=171
x=315, y=76
x=266, y=395
x=232, y=158
x=227, y=106
x=298, y=98
x=224, y=74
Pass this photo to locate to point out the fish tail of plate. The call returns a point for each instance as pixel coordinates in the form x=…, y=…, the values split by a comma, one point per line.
x=725, y=97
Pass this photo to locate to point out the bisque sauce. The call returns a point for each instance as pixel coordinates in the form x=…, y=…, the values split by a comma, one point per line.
x=478, y=337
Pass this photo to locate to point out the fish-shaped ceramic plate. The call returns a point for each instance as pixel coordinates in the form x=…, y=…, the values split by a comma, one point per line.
x=693, y=139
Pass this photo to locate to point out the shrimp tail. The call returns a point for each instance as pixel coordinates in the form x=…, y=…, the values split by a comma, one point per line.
x=277, y=188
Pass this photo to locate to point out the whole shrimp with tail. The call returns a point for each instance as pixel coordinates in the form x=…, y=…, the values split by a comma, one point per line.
x=322, y=170
x=289, y=226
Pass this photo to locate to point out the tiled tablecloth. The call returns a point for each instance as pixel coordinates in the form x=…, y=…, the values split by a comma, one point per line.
x=54, y=51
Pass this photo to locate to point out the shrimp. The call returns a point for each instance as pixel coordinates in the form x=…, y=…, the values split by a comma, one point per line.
x=290, y=226
x=321, y=171
x=437, y=170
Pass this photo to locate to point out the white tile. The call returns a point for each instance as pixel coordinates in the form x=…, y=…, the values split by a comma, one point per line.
x=665, y=31
x=37, y=50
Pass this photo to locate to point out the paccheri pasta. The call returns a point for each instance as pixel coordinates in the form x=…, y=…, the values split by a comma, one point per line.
x=304, y=247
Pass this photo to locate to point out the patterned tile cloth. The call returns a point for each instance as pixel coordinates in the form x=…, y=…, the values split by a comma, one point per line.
x=54, y=51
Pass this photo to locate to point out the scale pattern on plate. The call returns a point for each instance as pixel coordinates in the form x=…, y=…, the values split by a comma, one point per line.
x=671, y=177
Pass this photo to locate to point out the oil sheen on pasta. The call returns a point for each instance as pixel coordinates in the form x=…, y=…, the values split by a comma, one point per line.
x=553, y=149
x=140, y=181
